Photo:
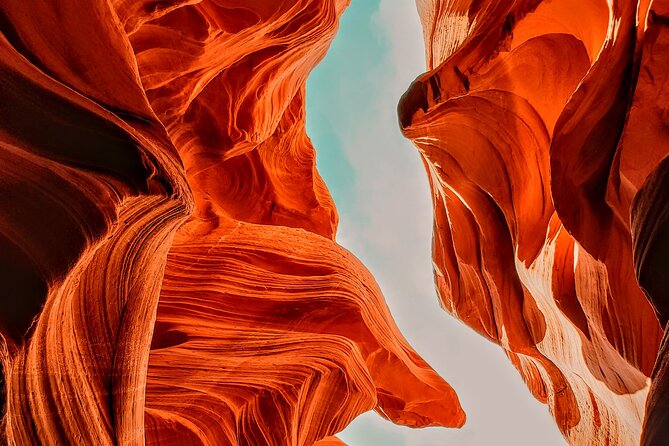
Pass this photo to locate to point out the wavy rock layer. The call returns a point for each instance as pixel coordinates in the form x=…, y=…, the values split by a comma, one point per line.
x=543, y=126
x=167, y=244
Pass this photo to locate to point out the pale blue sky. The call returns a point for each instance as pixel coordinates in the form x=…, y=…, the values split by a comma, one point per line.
x=381, y=192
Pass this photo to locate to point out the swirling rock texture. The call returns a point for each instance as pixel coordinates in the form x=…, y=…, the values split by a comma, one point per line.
x=167, y=245
x=544, y=130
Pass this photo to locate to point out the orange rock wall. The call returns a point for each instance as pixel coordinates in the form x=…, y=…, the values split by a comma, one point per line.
x=542, y=126
x=167, y=243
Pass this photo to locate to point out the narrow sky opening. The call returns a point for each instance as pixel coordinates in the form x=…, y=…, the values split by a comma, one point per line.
x=382, y=194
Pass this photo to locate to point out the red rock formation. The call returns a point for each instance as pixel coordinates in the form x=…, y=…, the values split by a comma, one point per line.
x=645, y=143
x=169, y=241
x=542, y=125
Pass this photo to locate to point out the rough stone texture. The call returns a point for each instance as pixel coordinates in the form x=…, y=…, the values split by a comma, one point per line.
x=543, y=126
x=167, y=245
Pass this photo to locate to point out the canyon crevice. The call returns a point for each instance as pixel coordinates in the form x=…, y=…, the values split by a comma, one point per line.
x=168, y=247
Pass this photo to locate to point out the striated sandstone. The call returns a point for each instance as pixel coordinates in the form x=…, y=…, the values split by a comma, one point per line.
x=543, y=126
x=170, y=241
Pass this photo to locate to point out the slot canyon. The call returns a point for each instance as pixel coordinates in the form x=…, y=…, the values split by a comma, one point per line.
x=169, y=262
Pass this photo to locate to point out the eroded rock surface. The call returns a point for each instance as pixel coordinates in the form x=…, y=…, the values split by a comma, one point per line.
x=543, y=126
x=167, y=245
